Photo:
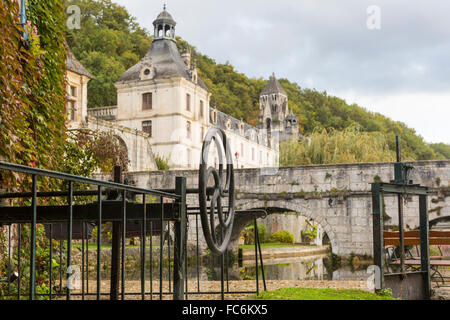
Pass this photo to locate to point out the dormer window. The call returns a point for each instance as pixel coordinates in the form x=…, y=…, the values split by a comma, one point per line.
x=146, y=72
x=147, y=103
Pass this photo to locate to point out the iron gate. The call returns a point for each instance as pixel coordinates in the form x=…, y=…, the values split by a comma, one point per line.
x=132, y=211
x=409, y=285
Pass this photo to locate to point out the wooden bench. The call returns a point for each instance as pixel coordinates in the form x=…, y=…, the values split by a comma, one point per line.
x=412, y=238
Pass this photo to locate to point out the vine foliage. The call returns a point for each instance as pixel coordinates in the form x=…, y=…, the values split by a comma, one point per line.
x=32, y=87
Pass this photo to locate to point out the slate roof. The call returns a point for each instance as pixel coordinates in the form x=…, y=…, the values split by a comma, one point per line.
x=164, y=17
x=223, y=119
x=166, y=59
x=273, y=86
x=291, y=116
x=74, y=65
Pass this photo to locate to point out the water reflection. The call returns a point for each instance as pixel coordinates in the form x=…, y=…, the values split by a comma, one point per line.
x=295, y=268
x=298, y=268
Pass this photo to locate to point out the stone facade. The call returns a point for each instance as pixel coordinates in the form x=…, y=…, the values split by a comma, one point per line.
x=77, y=78
x=137, y=142
x=275, y=116
x=337, y=197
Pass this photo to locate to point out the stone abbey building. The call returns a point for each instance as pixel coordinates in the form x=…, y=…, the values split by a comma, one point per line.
x=163, y=108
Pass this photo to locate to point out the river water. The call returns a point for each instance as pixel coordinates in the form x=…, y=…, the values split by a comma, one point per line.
x=294, y=268
x=304, y=268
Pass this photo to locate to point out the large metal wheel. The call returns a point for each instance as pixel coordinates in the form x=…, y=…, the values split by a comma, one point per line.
x=217, y=223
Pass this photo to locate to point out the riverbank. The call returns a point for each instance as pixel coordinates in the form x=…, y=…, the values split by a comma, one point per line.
x=214, y=286
x=290, y=251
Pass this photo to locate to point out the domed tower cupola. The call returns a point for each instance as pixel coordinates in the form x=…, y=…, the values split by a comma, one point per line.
x=164, y=26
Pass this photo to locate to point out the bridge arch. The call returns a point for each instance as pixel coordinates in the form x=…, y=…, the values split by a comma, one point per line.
x=274, y=207
x=436, y=221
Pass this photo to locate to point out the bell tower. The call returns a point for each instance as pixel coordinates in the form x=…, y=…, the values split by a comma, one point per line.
x=164, y=26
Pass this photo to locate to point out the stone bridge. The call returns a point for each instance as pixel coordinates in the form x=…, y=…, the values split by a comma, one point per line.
x=137, y=143
x=337, y=197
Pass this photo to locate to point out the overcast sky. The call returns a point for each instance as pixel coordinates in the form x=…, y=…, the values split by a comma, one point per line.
x=401, y=70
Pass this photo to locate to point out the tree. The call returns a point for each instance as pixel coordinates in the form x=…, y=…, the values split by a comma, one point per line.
x=327, y=147
x=108, y=43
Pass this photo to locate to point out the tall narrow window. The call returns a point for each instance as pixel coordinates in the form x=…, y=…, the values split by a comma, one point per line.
x=188, y=102
x=70, y=109
x=147, y=101
x=203, y=133
x=147, y=127
x=188, y=129
x=201, y=109
x=189, y=158
x=73, y=91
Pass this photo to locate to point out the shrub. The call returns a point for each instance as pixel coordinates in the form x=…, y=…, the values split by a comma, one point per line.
x=249, y=234
x=283, y=236
x=162, y=163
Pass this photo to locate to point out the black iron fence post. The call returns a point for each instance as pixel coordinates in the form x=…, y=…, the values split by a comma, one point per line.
x=180, y=240
x=115, y=250
x=425, y=244
x=33, y=240
x=69, y=239
x=378, y=239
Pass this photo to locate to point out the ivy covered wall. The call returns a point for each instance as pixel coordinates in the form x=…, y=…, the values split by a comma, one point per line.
x=32, y=85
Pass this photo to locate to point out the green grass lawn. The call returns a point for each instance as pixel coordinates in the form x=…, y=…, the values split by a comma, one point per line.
x=320, y=294
x=270, y=245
